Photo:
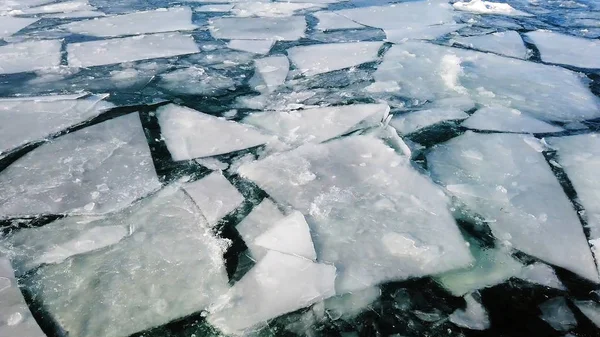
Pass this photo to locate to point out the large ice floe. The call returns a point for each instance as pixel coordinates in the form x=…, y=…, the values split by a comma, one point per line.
x=565, y=49
x=29, y=56
x=284, y=28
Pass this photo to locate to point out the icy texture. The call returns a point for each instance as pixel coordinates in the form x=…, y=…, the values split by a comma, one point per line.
x=214, y=8
x=358, y=189
x=399, y=35
x=565, y=49
x=74, y=15
x=271, y=9
x=128, y=49
x=349, y=305
x=215, y=196
x=270, y=72
x=169, y=20
x=277, y=284
x=507, y=43
x=192, y=134
x=60, y=7
x=591, y=310
x=289, y=235
x=286, y=28
x=262, y=217
x=29, y=56
x=195, y=81
x=542, y=274
x=99, y=169
x=162, y=271
x=416, y=120
x=505, y=179
x=333, y=21
x=318, y=124
x=10, y=25
x=500, y=118
x=322, y=58
x=428, y=72
x=26, y=120
x=556, y=312
x=473, y=317
x=488, y=7
x=15, y=317
x=252, y=46
x=212, y=164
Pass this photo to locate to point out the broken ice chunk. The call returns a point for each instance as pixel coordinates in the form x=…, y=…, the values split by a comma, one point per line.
x=333, y=21
x=60, y=7
x=565, y=49
x=28, y=119
x=192, y=134
x=76, y=15
x=504, y=43
x=195, y=80
x=473, y=317
x=488, y=7
x=271, y=9
x=556, y=312
x=591, y=310
x=15, y=317
x=129, y=49
x=399, y=35
x=170, y=266
x=289, y=235
x=508, y=182
x=29, y=56
x=262, y=217
x=214, y=8
x=349, y=305
x=499, y=118
x=215, y=196
x=322, y=58
x=276, y=285
x=363, y=200
x=252, y=46
x=157, y=21
x=318, y=124
x=212, y=164
x=61, y=176
x=286, y=28
x=10, y=25
x=542, y=274
x=271, y=72
x=416, y=120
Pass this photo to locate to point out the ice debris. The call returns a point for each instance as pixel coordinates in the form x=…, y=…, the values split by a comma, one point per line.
x=591, y=310
x=270, y=73
x=215, y=196
x=290, y=235
x=413, y=121
x=261, y=218
x=252, y=46
x=488, y=7
x=556, y=312
x=473, y=317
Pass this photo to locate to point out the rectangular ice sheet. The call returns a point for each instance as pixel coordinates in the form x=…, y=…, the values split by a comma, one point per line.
x=128, y=49
x=29, y=56
x=285, y=29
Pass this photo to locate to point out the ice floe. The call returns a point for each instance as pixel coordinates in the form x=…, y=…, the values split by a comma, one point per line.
x=499, y=118
x=192, y=134
x=29, y=56
x=591, y=310
x=399, y=35
x=556, y=312
x=214, y=8
x=333, y=21
x=322, y=58
x=270, y=73
x=215, y=196
x=358, y=189
x=157, y=21
x=505, y=179
x=472, y=317
x=566, y=49
x=252, y=46
x=10, y=25
x=99, y=169
x=488, y=7
x=59, y=7
x=128, y=49
x=261, y=218
x=281, y=28
x=507, y=43
x=271, y=9
x=289, y=235
x=413, y=121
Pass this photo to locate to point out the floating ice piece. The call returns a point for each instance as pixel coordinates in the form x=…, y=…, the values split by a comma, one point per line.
x=542, y=274
x=215, y=8
x=26, y=120
x=170, y=266
x=74, y=15
x=463, y=103
x=129, y=49
x=318, y=124
x=277, y=29
x=29, y=56
x=215, y=196
x=333, y=21
x=399, y=35
x=271, y=9
x=289, y=235
x=99, y=169
x=591, y=310
x=195, y=80
x=556, y=312
x=180, y=128
x=212, y=164
x=507, y=43
x=499, y=118
x=10, y=25
x=157, y=21
x=473, y=317
x=15, y=317
x=18, y=5
x=488, y=7
x=252, y=46
x=260, y=219
x=429, y=72
x=359, y=189
x=313, y=1
x=271, y=72
x=349, y=305
x=507, y=181
x=276, y=285
x=416, y=120
x=60, y=7
x=565, y=49
x=322, y=58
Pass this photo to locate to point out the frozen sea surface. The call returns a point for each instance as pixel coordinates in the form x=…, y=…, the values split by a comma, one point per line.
x=283, y=168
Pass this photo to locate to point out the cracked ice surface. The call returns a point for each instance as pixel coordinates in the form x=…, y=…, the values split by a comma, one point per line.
x=29, y=56
x=358, y=189
x=507, y=43
x=99, y=169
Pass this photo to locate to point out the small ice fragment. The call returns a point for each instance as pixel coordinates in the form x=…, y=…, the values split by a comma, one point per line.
x=473, y=317
x=271, y=72
x=290, y=235
x=212, y=164
x=322, y=58
x=540, y=273
x=556, y=312
x=416, y=120
x=215, y=196
x=260, y=219
x=591, y=310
